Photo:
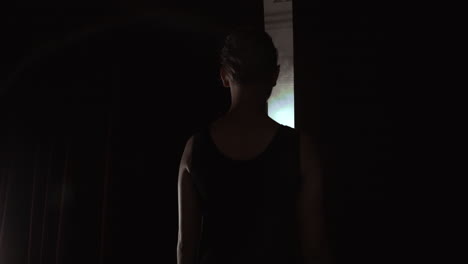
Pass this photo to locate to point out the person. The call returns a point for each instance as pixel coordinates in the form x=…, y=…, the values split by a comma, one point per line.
x=249, y=188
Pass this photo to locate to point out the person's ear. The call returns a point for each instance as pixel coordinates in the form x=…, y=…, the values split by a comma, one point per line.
x=224, y=77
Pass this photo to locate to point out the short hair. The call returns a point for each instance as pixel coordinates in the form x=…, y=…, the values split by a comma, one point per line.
x=249, y=55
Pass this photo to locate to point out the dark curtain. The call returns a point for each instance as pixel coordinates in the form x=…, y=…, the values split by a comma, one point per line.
x=342, y=92
x=92, y=133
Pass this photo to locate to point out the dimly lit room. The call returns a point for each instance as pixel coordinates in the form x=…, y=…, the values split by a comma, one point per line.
x=100, y=103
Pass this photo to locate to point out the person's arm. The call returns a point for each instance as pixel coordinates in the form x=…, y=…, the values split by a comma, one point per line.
x=190, y=217
x=314, y=246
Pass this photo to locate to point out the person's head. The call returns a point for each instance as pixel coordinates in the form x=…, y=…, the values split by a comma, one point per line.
x=249, y=62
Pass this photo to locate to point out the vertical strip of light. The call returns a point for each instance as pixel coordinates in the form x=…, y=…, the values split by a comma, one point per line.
x=278, y=17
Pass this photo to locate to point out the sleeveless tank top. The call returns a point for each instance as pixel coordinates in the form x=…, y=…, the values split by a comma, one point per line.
x=248, y=206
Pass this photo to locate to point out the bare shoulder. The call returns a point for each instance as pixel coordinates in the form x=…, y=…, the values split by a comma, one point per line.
x=186, y=160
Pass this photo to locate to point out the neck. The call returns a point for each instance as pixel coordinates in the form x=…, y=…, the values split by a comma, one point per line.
x=247, y=106
x=247, y=110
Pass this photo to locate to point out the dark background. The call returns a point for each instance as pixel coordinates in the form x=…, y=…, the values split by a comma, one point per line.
x=98, y=99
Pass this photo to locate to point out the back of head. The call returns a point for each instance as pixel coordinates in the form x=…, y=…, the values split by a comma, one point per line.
x=250, y=56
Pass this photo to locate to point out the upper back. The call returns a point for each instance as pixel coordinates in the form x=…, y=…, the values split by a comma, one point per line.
x=239, y=143
x=276, y=159
x=244, y=202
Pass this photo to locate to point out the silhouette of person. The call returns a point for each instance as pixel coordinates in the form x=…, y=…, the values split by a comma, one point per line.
x=249, y=188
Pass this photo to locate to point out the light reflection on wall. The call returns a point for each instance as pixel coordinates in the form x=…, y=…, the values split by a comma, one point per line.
x=279, y=25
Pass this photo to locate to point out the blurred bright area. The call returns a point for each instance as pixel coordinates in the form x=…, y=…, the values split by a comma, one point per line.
x=279, y=24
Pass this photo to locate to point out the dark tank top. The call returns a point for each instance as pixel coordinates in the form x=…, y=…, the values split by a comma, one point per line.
x=248, y=206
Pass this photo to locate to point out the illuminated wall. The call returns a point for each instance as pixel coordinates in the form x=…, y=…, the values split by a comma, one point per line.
x=279, y=24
